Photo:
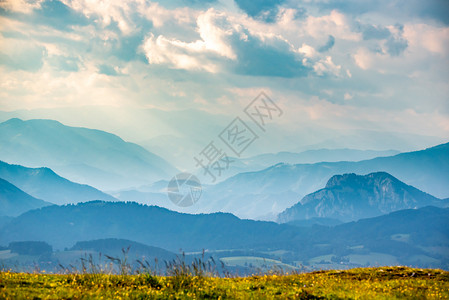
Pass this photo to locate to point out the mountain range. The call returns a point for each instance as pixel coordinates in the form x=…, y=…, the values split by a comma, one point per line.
x=83, y=155
x=178, y=135
x=351, y=197
x=104, y=160
x=413, y=236
x=265, y=160
x=43, y=183
x=264, y=194
x=63, y=226
x=315, y=156
x=14, y=201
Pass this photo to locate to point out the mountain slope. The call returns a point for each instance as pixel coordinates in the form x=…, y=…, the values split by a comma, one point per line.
x=316, y=156
x=351, y=197
x=266, y=160
x=43, y=183
x=14, y=201
x=425, y=226
x=84, y=155
x=412, y=236
x=63, y=226
x=272, y=190
x=408, y=235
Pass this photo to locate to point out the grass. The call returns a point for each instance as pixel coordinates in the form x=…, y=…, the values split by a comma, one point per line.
x=256, y=262
x=363, y=283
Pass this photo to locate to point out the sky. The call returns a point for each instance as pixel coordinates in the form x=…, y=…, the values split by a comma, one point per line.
x=361, y=74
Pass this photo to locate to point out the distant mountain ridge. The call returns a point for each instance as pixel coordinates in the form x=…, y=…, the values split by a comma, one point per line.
x=83, y=155
x=14, y=201
x=318, y=155
x=350, y=197
x=266, y=160
x=156, y=226
x=272, y=190
x=45, y=184
x=409, y=235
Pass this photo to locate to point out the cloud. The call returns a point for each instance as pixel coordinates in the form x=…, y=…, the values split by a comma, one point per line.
x=269, y=58
x=64, y=63
x=20, y=6
x=329, y=44
x=107, y=70
x=321, y=65
x=396, y=10
x=215, y=32
x=236, y=44
x=56, y=14
x=431, y=38
x=363, y=59
x=395, y=46
x=313, y=54
x=178, y=55
x=256, y=8
x=347, y=96
x=21, y=55
x=107, y=12
x=371, y=31
x=335, y=24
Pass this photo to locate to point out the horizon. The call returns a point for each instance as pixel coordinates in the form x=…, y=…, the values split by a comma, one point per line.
x=345, y=75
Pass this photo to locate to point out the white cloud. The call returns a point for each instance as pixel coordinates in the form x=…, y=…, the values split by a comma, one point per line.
x=197, y=55
x=107, y=11
x=348, y=96
x=427, y=49
x=159, y=15
x=363, y=58
x=217, y=46
x=308, y=51
x=433, y=39
x=123, y=12
x=335, y=24
x=326, y=66
x=177, y=54
x=21, y=6
x=402, y=91
x=321, y=65
x=215, y=29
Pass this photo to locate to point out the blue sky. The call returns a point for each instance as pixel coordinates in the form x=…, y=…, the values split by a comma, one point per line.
x=333, y=66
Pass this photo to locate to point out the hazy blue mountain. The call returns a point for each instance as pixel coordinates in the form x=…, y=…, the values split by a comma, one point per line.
x=43, y=183
x=178, y=135
x=263, y=161
x=65, y=225
x=351, y=197
x=149, y=198
x=272, y=190
x=83, y=155
x=414, y=236
x=316, y=156
x=14, y=201
x=424, y=226
x=315, y=221
x=373, y=139
x=4, y=220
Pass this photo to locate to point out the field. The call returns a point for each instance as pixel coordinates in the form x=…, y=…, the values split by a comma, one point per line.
x=363, y=283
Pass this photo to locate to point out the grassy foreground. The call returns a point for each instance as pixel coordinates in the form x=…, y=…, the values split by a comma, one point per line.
x=364, y=283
